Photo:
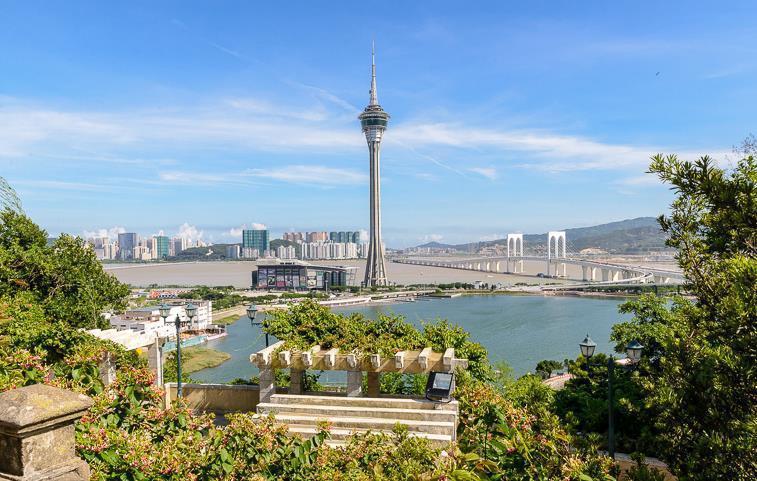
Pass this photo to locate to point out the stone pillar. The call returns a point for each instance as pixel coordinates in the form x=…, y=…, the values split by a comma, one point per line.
x=267, y=384
x=295, y=381
x=373, y=384
x=354, y=383
x=107, y=368
x=155, y=360
x=37, y=434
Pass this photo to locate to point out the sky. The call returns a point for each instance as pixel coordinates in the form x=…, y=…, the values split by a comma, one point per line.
x=202, y=118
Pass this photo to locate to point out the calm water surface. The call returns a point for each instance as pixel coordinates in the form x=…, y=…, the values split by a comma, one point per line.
x=521, y=330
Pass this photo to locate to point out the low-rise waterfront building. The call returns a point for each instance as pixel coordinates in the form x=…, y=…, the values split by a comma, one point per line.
x=148, y=320
x=301, y=276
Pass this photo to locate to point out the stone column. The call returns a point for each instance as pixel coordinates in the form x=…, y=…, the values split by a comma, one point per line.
x=373, y=384
x=107, y=368
x=155, y=360
x=295, y=381
x=267, y=384
x=354, y=383
x=37, y=434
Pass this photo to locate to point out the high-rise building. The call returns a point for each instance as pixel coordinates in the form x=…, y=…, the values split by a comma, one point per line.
x=127, y=241
x=234, y=251
x=179, y=244
x=255, y=239
x=374, y=121
x=286, y=252
x=294, y=236
x=317, y=236
x=161, y=246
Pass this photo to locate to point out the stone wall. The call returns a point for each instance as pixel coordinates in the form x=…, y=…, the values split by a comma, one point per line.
x=216, y=398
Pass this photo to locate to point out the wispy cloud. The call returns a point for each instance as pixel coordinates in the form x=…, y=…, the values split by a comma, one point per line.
x=640, y=181
x=488, y=172
x=316, y=175
x=725, y=72
x=312, y=175
x=546, y=151
x=63, y=185
x=250, y=124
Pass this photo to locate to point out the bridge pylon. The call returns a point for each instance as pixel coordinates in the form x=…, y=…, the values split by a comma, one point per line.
x=516, y=240
x=557, y=236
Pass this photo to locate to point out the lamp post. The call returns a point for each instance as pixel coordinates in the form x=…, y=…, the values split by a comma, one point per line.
x=252, y=311
x=633, y=351
x=165, y=311
x=191, y=310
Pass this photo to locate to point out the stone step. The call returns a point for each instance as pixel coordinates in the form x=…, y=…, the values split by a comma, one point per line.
x=359, y=411
x=340, y=435
x=375, y=424
x=368, y=402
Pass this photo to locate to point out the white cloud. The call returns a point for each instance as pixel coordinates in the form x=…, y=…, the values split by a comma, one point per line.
x=488, y=172
x=111, y=233
x=189, y=232
x=236, y=231
x=432, y=238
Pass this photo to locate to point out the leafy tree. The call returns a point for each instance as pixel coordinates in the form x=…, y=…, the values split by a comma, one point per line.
x=546, y=367
x=699, y=373
x=64, y=278
x=582, y=404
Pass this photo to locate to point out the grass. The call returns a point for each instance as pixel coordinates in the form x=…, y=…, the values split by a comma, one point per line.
x=225, y=321
x=197, y=358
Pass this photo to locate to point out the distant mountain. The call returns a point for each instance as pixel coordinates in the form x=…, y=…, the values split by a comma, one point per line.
x=436, y=245
x=631, y=236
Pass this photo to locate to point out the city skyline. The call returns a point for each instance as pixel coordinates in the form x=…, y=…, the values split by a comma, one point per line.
x=510, y=118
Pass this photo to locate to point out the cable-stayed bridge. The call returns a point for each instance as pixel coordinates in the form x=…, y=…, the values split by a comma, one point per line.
x=555, y=264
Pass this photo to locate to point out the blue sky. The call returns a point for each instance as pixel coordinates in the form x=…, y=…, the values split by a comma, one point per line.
x=506, y=116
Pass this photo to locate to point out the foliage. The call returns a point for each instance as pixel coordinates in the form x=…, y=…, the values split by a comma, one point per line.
x=546, y=367
x=400, y=383
x=701, y=377
x=223, y=297
x=582, y=405
x=503, y=441
x=128, y=435
x=34, y=350
x=308, y=323
x=9, y=198
x=642, y=472
x=64, y=278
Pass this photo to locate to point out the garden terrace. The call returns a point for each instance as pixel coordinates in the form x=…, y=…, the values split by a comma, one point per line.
x=317, y=358
x=434, y=421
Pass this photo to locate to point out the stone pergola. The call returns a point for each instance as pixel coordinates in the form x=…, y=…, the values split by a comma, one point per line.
x=355, y=364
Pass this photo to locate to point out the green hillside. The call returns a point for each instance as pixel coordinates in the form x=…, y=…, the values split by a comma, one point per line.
x=630, y=236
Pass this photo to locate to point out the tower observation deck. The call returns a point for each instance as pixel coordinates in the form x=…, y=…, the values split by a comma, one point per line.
x=374, y=120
